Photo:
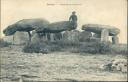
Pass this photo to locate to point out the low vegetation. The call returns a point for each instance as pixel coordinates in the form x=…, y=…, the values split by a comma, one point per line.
x=119, y=49
x=75, y=47
x=35, y=48
x=4, y=43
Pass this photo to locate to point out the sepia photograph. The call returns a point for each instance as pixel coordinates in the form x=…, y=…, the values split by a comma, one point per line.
x=63, y=40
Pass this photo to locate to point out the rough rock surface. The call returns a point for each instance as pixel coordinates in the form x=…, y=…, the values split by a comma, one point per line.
x=35, y=38
x=85, y=36
x=72, y=36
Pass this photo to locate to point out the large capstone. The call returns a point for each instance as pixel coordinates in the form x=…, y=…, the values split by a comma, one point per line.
x=31, y=24
x=26, y=25
x=58, y=27
x=97, y=28
x=84, y=36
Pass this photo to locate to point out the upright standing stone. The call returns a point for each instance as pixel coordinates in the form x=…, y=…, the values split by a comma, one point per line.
x=57, y=36
x=104, y=35
x=40, y=38
x=75, y=35
x=46, y=37
x=85, y=36
x=115, y=40
x=20, y=37
x=35, y=38
x=66, y=35
x=52, y=37
x=72, y=36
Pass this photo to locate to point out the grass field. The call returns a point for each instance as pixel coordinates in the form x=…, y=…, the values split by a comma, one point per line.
x=56, y=66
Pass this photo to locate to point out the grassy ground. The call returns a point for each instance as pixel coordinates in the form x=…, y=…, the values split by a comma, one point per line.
x=56, y=66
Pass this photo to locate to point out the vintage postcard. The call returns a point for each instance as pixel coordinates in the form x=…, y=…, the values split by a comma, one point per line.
x=63, y=40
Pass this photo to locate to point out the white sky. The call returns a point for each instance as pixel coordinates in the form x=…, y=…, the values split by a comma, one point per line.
x=107, y=12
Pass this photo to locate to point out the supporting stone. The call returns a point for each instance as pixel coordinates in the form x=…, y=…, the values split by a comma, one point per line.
x=20, y=38
x=115, y=40
x=52, y=37
x=66, y=35
x=35, y=38
x=72, y=36
x=44, y=38
x=48, y=36
x=104, y=35
x=85, y=36
x=57, y=36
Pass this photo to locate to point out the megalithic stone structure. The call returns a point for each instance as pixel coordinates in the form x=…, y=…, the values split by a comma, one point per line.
x=97, y=28
x=105, y=35
x=26, y=25
x=104, y=31
x=115, y=40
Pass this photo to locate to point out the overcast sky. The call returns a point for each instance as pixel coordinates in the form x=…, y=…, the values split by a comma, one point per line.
x=106, y=12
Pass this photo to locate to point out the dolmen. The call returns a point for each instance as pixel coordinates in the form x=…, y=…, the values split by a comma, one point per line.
x=53, y=30
x=104, y=31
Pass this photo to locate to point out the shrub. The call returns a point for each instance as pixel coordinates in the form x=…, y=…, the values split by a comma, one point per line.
x=105, y=47
x=95, y=47
x=67, y=43
x=89, y=47
x=35, y=47
x=75, y=47
x=4, y=43
x=53, y=46
x=119, y=49
x=41, y=47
